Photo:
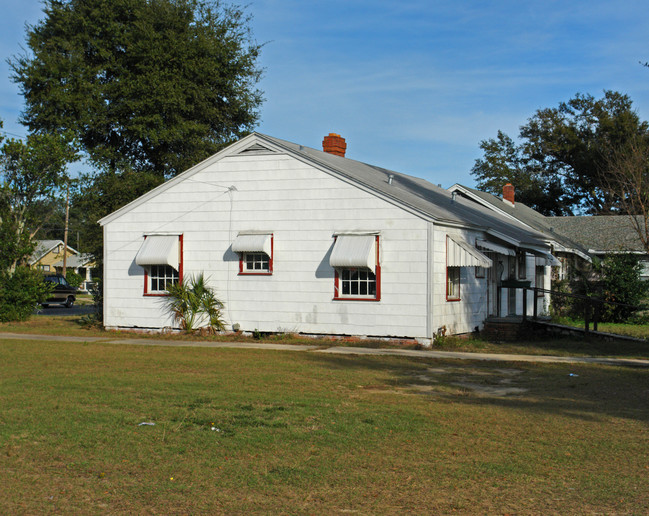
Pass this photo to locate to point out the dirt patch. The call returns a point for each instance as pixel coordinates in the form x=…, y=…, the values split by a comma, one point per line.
x=467, y=380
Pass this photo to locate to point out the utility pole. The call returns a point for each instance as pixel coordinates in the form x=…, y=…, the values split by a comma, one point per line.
x=65, y=233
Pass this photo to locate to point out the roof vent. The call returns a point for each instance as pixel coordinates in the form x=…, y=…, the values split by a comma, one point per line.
x=390, y=178
x=334, y=144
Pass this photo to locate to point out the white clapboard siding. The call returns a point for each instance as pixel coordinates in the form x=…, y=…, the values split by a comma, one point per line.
x=303, y=207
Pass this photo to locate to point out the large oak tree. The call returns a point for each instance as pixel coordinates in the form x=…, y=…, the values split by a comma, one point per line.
x=150, y=85
x=563, y=155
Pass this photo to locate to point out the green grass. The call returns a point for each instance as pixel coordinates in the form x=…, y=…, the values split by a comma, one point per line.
x=305, y=433
x=638, y=330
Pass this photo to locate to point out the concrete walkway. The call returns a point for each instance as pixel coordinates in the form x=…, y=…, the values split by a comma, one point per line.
x=339, y=350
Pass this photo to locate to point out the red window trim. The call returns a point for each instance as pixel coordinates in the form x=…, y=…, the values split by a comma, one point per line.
x=377, y=275
x=243, y=272
x=180, y=272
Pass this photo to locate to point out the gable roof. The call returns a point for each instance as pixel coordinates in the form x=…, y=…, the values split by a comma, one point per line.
x=600, y=234
x=412, y=193
x=527, y=216
x=45, y=246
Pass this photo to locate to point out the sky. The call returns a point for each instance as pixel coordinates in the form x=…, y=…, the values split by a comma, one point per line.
x=415, y=86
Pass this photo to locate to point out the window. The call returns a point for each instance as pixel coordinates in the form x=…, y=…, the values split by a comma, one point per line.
x=521, y=258
x=160, y=277
x=452, y=283
x=255, y=253
x=357, y=282
x=255, y=262
x=479, y=272
x=161, y=257
x=44, y=268
x=355, y=259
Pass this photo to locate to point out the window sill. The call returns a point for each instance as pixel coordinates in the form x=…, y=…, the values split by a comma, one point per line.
x=156, y=294
x=255, y=274
x=356, y=299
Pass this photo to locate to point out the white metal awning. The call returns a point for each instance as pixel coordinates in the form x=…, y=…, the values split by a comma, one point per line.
x=354, y=251
x=253, y=243
x=159, y=250
x=460, y=254
x=547, y=259
x=490, y=246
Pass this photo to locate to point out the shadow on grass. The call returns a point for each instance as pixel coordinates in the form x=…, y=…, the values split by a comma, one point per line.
x=583, y=392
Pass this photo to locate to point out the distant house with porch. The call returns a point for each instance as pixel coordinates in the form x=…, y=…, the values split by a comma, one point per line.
x=48, y=257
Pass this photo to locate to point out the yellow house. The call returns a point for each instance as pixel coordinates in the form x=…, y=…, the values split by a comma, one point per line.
x=48, y=257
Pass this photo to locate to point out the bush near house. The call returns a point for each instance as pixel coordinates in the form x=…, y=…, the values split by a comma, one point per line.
x=74, y=279
x=20, y=293
x=615, y=279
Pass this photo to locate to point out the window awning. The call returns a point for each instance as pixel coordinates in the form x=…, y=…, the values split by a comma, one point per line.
x=159, y=250
x=354, y=251
x=547, y=259
x=490, y=246
x=460, y=254
x=253, y=243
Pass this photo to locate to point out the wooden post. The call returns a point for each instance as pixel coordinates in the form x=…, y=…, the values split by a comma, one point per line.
x=65, y=232
x=586, y=316
x=535, y=309
x=524, y=304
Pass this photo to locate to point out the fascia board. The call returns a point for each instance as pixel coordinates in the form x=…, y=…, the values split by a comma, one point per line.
x=230, y=149
x=486, y=204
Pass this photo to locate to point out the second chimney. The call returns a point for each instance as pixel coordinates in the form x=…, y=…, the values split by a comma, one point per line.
x=509, y=193
x=334, y=144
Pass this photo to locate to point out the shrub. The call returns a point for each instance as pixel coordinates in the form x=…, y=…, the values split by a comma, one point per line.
x=21, y=293
x=194, y=305
x=75, y=280
x=621, y=283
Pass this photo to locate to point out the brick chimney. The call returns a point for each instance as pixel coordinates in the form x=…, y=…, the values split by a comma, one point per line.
x=509, y=192
x=334, y=144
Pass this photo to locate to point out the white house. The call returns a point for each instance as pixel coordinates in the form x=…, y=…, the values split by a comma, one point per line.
x=302, y=240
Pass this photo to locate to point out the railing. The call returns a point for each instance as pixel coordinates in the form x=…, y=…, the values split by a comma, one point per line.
x=592, y=305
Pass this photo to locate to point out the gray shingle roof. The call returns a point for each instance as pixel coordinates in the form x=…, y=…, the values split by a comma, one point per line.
x=599, y=233
x=530, y=217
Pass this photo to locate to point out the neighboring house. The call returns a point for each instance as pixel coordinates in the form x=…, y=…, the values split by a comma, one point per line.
x=303, y=240
x=573, y=239
x=48, y=257
x=602, y=235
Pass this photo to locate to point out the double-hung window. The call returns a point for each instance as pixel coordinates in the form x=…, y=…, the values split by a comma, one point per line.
x=161, y=257
x=255, y=252
x=357, y=271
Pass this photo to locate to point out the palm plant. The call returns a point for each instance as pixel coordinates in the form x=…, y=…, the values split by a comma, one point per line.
x=193, y=304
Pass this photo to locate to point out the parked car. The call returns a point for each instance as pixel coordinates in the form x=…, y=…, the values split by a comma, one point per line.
x=63, y=293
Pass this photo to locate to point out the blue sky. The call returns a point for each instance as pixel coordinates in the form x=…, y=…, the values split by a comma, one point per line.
x=414, y=86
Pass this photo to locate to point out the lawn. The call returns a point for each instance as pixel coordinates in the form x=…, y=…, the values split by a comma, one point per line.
x=255, y=431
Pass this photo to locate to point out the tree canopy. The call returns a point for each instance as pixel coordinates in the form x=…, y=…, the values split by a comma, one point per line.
x=148, y=85
x=31, y=171
x=564, y=154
